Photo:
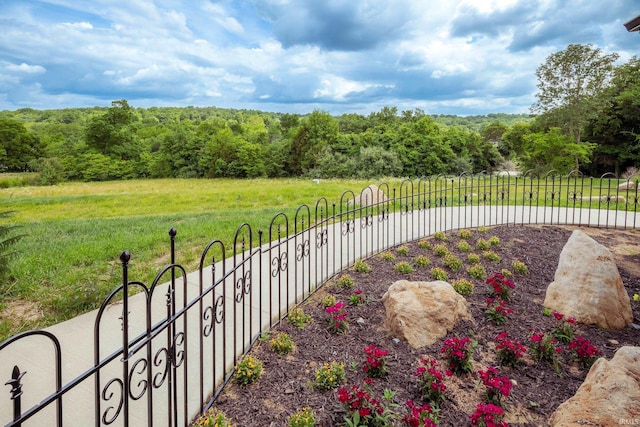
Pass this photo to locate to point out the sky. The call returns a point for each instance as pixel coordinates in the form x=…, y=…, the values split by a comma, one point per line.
x=461, y=57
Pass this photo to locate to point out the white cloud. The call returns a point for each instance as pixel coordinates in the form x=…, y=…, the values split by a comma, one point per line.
x=26, y=68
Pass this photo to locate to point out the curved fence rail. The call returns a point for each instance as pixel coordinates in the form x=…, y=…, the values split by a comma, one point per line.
x=159, y=354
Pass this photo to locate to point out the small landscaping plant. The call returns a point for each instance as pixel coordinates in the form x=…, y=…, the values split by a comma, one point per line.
x=282, y=343
x=363, y=409
x=458, y=353
x=356, y=298
x=507, y=273
x=440, y=235
x=387, y=256
x=520, y=268
x=464, y=234
x=425, y=244
x=345, y=282
x=497, y=310
x=496, y=386
x=438, y=273
x=338, y=322
x=361, y=267
x=248, y=370
x=403, y=250
x=473, y=259
x=403, y=267
x=422, y=261
x=330, y=375
x=584, y=352
x=431, y=381
x=488, y=415
x=463, y=287
x=376, y=364
x=508, y=352
x=419, y=416
x=213, y=418
x=304, y=417
x=491, y=256
x=482, y=245
x=565, y=327
x=500, y=286
x=494, y=241
x=327, y=300
x=477, y=271
x=440, y=250
x=452, y=262
x=464, y=246
x=298, y=318
x=542, y=347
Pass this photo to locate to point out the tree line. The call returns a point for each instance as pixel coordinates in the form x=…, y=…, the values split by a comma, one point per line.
x=586, y=116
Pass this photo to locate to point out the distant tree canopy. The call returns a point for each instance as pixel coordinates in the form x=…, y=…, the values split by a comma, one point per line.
x=588, y=117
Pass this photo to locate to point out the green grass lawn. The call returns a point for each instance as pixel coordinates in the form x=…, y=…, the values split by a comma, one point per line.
x=74, y=233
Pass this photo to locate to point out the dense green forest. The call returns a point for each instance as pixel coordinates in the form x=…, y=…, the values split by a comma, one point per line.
x=587, y=121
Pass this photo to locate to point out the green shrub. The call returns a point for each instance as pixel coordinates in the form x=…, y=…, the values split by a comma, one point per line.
x=507, y=273
x=473, y=258
x=491, y=256
x=303, y=417
x=477, y=272
x=422, y=261
x=438, y=273
x=464, y=246
x=298, y=318
x=248, y=370
x=327, y=300
x=463, y=287
x=482, y=245
x=403, y=250
x=452, y=262
x=439, y=235
x=361, y=267
x=330, y=375
x=494, y=241
x=282, y=343
x=213, y=418
x=440, y=250
x=425, y=244
x=387, y=256
x=345, y=282
x=403, y=267
x=520, y=268
x=464, y=234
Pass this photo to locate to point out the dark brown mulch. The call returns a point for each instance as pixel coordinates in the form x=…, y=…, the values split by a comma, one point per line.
x=286, y=383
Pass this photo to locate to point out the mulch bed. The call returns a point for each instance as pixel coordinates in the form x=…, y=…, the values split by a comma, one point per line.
x=287, y=381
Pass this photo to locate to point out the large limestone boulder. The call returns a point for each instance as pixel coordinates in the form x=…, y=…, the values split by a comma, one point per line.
x=610, y=393
x=423, y=312
x=588, y=286
x=370, y=195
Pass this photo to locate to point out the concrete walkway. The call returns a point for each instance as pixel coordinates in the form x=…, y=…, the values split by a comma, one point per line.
x=253, y=291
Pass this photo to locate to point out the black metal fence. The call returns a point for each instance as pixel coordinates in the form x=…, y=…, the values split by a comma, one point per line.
x=159, y=354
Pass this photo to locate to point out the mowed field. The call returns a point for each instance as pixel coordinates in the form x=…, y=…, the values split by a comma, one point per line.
x=68, y=259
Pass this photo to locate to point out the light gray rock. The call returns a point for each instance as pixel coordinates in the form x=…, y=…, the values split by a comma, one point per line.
x=423, y=312
x=587, y=285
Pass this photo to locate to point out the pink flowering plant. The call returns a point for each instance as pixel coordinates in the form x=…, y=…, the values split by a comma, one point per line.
x=584, y=352
x=500, y=286
x=458, y=353
x=488, y=415
x=431, y=381
x=363, y=409
x=498, y=311
x=418, y=416
x=509, y=352
x=496, y=386
x=565, y=327
x=338, y=322
x=542, y=347
x=376, y=364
